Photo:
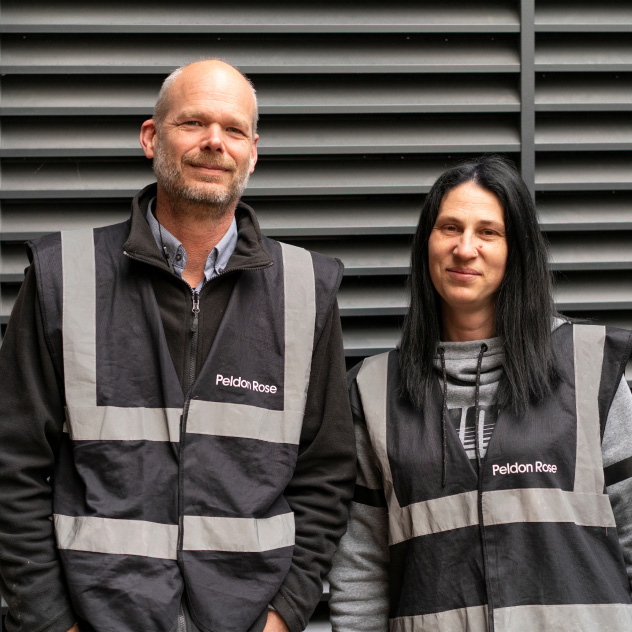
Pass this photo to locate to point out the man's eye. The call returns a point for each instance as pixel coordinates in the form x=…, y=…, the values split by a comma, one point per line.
x=192, y=123
x=234, y=130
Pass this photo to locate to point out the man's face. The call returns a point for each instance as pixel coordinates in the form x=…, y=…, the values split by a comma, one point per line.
x=205, y=148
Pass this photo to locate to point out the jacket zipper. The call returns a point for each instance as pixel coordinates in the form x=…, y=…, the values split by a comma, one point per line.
x=195, y=309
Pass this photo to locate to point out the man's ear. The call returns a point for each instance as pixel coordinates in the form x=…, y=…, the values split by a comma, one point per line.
x=253, y=154
x=148, y=136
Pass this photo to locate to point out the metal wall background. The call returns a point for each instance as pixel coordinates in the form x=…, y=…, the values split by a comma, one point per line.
x=363, y=105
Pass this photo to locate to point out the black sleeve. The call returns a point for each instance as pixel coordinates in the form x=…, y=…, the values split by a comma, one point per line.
x=323, y=481
x=31, y=422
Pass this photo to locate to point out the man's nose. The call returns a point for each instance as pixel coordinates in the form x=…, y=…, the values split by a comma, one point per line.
x=212, y=139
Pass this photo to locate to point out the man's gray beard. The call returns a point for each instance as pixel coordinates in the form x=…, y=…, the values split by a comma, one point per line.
x=196, y=197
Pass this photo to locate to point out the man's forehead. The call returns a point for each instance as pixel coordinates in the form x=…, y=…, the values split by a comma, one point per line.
x=208, y=84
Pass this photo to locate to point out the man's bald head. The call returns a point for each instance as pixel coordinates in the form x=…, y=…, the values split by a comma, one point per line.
x=163, y=102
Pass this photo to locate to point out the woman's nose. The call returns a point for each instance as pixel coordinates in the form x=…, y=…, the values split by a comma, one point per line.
x=466, y=246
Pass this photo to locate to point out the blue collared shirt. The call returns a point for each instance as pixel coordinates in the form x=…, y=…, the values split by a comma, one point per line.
x=215, y=262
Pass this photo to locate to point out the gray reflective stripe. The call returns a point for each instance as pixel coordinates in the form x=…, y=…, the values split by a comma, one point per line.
x=300, y=319
x=471, y=619
x=588, y=342
x=576, y=617
x=79, y=317
x=432, y=516
x=151, y=539
x=547, y=505
x=247, y=422
x=243, y=535
x=372, y=385
x=116, y=537
x=111, y=423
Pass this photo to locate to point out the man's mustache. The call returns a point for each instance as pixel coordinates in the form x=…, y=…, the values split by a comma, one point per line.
x=222, y=164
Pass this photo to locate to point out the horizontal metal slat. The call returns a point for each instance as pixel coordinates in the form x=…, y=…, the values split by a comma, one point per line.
x=257, y=17
x=379, y=53
x=121, y=95
x=594, y=291
x=583, y=52
x=374, y=215
x=581, y=16
x=585, y=211
x=372, y=297
x=21, y=221
x=583, y=171
x=562, y=92
x=390, y=134
x=123, y=178
x=594, y=251
x=368, y=256
x=364, y=340
x=70, y=137
x=604, y=132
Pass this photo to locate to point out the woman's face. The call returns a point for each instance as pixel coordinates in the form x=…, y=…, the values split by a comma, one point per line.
x=467, y=250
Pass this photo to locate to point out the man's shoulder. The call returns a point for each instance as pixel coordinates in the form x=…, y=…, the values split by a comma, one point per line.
x=54, y=240
x=319, y=259
x=45, y=252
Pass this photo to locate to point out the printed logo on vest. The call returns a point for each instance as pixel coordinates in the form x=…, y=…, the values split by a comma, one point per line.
x=523, y=468
x=239, y=382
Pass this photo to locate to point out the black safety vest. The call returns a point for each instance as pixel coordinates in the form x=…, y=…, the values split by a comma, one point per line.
x=532, y=545
x=155, y=489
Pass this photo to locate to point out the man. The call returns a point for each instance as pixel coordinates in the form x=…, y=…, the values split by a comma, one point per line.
x=175, y=440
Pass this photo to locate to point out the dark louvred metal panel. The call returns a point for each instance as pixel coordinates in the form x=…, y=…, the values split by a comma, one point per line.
x=582, y=139
x=361, y=109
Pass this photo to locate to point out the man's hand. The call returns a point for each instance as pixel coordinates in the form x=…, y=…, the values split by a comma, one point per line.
x=275, y=623
x=75, y=628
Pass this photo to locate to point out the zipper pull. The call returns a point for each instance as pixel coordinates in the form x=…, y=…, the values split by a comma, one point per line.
x=196, y=311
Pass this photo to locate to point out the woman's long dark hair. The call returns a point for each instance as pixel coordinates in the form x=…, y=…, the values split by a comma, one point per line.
x=524, y=301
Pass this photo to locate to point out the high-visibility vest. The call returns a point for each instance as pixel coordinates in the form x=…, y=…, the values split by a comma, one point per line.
x=530, y=547
x=156, y=489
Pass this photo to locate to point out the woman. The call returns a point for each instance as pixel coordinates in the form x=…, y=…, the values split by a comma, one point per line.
x=480, y=501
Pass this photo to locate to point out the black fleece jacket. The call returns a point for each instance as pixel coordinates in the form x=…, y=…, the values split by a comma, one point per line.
x=32, y=417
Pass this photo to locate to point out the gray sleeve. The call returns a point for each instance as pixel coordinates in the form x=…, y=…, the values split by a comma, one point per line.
x=616, y=447
x=359, y=577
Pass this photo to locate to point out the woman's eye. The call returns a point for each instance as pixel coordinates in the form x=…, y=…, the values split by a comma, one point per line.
x=490, y=233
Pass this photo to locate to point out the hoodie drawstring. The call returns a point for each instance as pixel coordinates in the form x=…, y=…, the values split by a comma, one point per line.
x=444, y=411
x=444, y=414
x=477, y=446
